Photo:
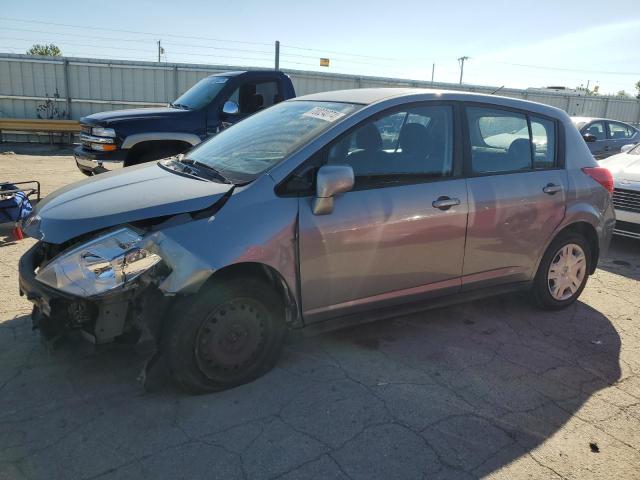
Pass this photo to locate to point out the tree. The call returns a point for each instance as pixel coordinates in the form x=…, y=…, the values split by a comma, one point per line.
x=638, y=89
x=50, y=50
x=622, y=93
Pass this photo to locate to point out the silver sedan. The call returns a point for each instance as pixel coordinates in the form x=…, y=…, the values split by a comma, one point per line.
x=625, y=168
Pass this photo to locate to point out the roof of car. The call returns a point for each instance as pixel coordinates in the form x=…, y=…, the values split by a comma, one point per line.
x=368, y=96
x=585, y=119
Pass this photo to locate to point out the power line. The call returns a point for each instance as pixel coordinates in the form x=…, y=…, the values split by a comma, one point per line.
x=563, y=69
x=156, y=34
x=190, y=45
x=342, y=53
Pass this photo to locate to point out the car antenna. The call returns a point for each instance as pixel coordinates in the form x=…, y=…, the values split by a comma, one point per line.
x=497, y=90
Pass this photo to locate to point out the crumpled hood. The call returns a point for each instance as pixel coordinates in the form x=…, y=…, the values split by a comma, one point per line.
x=623, y=167
x=134, y=193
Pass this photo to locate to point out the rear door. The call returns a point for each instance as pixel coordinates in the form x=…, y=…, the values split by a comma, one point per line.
x=517, y=192
x=619, y=135
x=399, y=234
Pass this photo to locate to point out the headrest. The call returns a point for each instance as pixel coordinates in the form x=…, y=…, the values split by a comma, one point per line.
x=413, y=138
x=368, y=137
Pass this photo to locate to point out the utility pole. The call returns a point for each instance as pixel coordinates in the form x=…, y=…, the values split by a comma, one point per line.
x=462, y=60
x=277, y=55
x=159, y=50
x=433, y=71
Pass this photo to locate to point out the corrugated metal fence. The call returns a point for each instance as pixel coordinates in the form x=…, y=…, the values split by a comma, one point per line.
x=80, y=86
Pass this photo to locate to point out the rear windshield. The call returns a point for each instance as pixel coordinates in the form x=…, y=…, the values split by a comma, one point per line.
x=250, y=147
x=201, y=93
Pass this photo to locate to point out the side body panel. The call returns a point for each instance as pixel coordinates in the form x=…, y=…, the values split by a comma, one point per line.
x=254, y=226
x=510, y=220
x=380, y=245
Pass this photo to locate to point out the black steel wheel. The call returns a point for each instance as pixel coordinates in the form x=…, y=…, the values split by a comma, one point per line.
x=229, y=334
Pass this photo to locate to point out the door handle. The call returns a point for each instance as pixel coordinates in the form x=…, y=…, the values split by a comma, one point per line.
x=551, y=189
x=445, y=203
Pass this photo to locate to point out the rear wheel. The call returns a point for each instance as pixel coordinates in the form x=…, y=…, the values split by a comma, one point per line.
x=230, y=334
x=563, y=272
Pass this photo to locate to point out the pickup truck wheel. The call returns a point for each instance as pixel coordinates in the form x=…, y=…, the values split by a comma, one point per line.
x=231, y=333
x=150, y=154
x=563, y=272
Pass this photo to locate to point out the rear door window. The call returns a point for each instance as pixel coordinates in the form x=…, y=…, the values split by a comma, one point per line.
x=499, y=140
x=620, y=131
x=503, y=141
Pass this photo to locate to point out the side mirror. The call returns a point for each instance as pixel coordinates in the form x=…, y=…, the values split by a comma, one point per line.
x=331, y=180
x=626, y=148
x=589, y=137
x=230, y=108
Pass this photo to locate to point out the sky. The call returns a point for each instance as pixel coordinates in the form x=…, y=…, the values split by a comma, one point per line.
x=516, y=44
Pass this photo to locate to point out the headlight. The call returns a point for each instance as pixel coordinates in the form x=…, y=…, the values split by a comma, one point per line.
x=103, y=132
x=103, y=264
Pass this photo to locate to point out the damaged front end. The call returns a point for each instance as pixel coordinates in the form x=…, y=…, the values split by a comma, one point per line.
x=104, y=286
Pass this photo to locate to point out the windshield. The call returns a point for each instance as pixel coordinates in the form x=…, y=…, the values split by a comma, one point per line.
x=250, y=147
x=201, y=93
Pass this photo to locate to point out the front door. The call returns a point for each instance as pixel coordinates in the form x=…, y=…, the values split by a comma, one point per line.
x=516, y=194
x=400, y=233
x=600, y=147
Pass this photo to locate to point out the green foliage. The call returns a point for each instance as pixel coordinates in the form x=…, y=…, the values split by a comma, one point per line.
x=50, y=50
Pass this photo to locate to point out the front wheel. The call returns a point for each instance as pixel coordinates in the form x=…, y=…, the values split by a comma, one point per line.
x=563, y=272
x=231, y=333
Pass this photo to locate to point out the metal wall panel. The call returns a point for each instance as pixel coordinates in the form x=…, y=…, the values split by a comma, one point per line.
x=99, y=85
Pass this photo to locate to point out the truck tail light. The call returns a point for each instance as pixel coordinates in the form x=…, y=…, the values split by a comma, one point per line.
x=602, y=176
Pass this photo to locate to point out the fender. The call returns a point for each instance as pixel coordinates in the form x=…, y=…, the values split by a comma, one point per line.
x=136, y=138
x=580, y=212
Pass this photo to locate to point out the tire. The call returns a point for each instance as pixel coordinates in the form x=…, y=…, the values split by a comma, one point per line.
x=229, y=334
x=555, y=294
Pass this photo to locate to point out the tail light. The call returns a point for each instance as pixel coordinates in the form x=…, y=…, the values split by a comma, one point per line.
x=601, y=175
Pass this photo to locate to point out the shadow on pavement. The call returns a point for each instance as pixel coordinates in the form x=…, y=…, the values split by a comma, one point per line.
x=457, y=392
x=623, y=257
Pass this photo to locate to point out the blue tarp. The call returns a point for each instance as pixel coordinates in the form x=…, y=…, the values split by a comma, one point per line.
x=14, y=206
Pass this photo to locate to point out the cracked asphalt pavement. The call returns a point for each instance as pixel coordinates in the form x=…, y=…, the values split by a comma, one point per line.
x=492, y=389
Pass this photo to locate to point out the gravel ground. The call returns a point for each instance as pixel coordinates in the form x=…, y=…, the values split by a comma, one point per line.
x=490, y=389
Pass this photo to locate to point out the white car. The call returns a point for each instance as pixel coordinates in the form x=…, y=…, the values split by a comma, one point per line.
x=625, y=168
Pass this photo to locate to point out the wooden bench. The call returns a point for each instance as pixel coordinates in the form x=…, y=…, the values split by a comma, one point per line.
x=38, y=125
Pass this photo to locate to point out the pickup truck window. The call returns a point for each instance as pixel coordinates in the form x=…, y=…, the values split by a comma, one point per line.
x=201, y=93
x=245, y=150
x=252, y=97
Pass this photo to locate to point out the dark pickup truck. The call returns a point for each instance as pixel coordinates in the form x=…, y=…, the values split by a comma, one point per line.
x=120, y=138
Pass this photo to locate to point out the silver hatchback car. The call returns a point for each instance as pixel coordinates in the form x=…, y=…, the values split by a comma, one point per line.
x=320, y=212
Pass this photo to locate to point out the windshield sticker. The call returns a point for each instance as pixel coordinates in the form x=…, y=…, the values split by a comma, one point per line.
x=323, y=113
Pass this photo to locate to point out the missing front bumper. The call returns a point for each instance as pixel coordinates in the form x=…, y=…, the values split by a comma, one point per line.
x=100, y=320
